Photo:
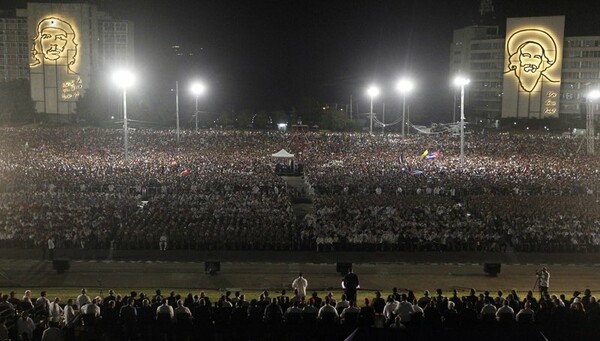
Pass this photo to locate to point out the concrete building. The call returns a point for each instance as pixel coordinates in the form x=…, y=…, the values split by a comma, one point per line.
x=60, y=48
x=14, y=48
x=477, y=52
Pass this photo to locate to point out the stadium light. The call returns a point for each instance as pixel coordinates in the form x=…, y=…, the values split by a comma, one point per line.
x=594, y=95
x=197, y=89
x=462, y=81
x=124, y=79
x=373, y=92
x=404, y=86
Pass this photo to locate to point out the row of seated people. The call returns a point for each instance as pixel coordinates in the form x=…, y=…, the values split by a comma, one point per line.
x=136, y=317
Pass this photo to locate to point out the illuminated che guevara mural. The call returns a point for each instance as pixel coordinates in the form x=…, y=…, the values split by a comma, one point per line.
x=55, y=43
x=532, y=73
x=55, y=54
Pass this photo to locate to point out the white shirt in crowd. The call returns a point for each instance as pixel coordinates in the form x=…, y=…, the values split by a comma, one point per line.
x=300, y=284
x=82, y=300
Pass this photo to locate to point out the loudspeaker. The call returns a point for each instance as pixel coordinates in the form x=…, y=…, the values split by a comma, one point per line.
x=343, y=268
x=492, y=269
x=61, y=265
x=212, y=267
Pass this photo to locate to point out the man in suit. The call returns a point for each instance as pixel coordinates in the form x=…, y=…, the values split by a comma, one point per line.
x=350, y=285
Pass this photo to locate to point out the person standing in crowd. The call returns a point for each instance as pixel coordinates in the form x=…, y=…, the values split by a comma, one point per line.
x=543, y=281
x=56, y=312
x=327, y=308
x=25, y=325
x=83, y=299
x=68, y=312
x=162, y=243
x=300, y=284
x=3, y=330
x=51, y=247
x=350, y=285
x=52, y=333
x=165, y=308
x=379, y=303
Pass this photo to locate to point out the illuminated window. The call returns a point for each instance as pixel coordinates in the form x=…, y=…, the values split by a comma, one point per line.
x=481, y=46
x=589, y=75
x=481, y=55
x=588, y=64
x=591, y=54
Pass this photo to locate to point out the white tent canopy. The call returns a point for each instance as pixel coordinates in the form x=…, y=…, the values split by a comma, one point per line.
x=283, y=154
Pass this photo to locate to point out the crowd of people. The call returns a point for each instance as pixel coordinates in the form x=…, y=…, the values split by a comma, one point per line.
x=398, y=314
x=219, y=190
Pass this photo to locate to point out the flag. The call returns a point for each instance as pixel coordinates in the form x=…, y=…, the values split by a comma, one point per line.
x=424, y=154
x=432, y=155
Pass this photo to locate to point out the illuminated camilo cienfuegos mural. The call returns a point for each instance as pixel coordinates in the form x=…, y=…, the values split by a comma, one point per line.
x=533, y=67
x=55, y=51
x=533, y=52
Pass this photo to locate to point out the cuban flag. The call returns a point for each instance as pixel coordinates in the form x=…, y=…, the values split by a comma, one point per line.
x=432, y=155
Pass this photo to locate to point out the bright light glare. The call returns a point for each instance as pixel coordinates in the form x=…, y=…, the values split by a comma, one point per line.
x=373, y=91
x=405, y=85
x=594, y=94
x=198, y=88
x=123, y=78
x=461, y=81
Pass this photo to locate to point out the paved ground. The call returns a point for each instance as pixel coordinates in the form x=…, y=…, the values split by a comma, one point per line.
x=275, y=270
x=312, y=256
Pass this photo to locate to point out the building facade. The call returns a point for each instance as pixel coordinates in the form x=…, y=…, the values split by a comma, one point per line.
x=61, y=48
x=14, y=49
x=553, y=86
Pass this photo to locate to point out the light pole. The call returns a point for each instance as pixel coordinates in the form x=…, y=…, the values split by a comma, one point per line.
x=404, y=86
x=373, y=91
x=454, y=109
x=177, y=108
x=124, y=79
x=589, y=127
x=462, y=81
x=197, y=89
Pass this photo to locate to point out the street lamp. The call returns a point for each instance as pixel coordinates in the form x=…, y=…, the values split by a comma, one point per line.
x=124, y=78
x=197, y=89
x=462, y=82
x=373, y=91
x=404, y=86
x=589, y=127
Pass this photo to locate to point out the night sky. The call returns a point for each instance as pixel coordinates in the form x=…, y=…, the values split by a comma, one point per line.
x=267, y=54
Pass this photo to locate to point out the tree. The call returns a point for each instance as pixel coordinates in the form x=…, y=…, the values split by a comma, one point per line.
x=261, y=120
x=243, y=119
x=225, y=118
x=93, y=106
x=310, y=111
x=336, y=119
x=16, y=105
x=278, y=115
